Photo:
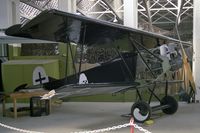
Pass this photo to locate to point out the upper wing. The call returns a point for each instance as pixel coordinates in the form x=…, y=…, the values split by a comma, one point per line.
x=60, y=26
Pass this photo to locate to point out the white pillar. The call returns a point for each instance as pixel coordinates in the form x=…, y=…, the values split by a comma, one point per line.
x=67, y=5
x=196, y=46
x=9, y=13
x=131, y=13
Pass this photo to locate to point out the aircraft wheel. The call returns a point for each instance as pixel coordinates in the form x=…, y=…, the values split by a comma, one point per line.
x=140, y=111
x=169, y=100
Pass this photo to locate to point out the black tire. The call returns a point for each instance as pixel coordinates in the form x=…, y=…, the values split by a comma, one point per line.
x=173, y=104
x=140, y=111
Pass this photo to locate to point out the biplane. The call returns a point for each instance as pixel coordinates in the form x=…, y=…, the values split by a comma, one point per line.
x=115, y=74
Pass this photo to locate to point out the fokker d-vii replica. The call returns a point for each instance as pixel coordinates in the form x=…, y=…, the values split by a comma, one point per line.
x=118, y=72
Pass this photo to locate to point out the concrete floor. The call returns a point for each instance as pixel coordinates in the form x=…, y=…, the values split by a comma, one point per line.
x=75, y=116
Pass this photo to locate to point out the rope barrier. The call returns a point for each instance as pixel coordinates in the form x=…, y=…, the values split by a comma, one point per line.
x=132, y=125
x=18, y=129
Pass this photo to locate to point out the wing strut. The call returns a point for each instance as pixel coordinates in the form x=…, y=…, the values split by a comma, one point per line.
x=66, y=62
x=132, y=40
x=69, y=48
x=82, y=44
x=71, y=53
x=130, y=73
x=134, y=46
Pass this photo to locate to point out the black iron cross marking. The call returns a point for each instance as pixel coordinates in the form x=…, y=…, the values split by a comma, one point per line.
x=40, y=78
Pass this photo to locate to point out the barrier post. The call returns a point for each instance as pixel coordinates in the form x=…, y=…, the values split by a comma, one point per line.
x=131, y=125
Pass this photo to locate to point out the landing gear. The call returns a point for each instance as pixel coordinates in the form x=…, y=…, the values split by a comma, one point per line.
x=141, y=111
x=172, y=105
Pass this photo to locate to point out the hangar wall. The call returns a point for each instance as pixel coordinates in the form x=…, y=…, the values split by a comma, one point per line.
x=9, y=13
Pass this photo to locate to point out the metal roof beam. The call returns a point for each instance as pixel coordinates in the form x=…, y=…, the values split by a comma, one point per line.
x=147, y=7
x=32, y=4
x=116, y=15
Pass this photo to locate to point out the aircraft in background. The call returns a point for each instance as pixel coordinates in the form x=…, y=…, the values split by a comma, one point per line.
x=118, y=71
